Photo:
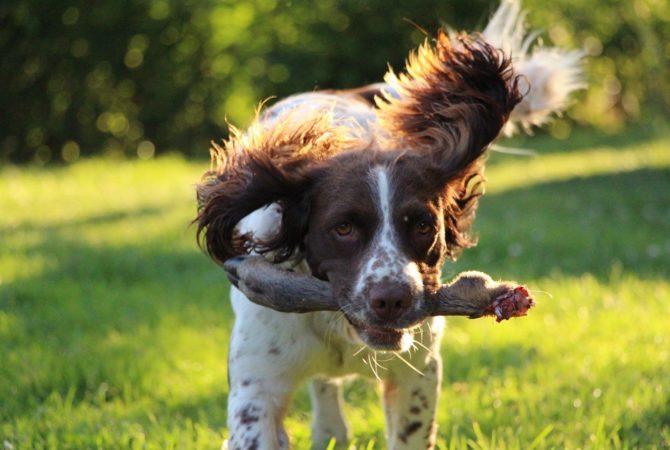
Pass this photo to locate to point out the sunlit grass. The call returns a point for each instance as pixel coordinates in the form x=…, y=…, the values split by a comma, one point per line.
x=114, y=327
x=601, y=160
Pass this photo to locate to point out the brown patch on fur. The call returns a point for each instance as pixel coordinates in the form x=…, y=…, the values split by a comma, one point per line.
x=455, y=96
x=248, y=415
x=453, y=100
x=268, y=163
x=409, y=430
x=430, y=141
x=421, y=397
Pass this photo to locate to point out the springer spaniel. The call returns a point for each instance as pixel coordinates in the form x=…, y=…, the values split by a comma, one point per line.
x=355, y=199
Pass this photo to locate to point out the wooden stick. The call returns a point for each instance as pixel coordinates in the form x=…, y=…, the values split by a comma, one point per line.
x=268, y=285
x=472, y=294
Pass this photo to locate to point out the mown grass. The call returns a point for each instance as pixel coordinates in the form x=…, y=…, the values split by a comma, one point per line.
x=114, y=327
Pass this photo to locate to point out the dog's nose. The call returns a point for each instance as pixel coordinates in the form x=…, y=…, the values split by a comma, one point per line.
x=389, y=300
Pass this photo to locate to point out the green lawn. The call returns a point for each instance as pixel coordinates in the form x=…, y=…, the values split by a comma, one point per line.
x=114, y=327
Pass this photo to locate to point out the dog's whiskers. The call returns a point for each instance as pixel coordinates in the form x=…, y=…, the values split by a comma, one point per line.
x=373, y=367
x=387, y=359
x=407, y=363
x=538, y=291
x=412, y=346
x=331, y=327
x=357, y=352
x=424, y=346
x=376, y=360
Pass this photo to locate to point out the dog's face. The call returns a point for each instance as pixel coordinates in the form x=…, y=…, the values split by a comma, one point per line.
x=376, y=233
x=376, y=215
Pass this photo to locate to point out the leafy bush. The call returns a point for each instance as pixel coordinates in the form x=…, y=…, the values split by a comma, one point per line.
x=152, y=76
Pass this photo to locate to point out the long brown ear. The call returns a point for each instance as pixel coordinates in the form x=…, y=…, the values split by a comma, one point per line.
x=452, y=100
x=270, y=163
x=450, y=103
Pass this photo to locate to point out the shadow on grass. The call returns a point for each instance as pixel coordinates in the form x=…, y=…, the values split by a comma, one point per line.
x=646, y=428
x=584, y=225
x=99, y=219
x=93, y=320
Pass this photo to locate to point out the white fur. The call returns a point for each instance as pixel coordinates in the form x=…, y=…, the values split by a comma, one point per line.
x=549, y=74
x=357, y=116
x=271, y=353
x=385, y=260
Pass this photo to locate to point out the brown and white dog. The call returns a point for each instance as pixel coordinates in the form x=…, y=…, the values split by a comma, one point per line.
x=369, y=192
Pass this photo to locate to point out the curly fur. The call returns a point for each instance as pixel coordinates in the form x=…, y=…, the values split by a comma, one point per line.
x=449, y=104
x=372, y=190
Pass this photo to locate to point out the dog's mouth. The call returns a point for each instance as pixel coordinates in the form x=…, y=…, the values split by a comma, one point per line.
x=383, y=338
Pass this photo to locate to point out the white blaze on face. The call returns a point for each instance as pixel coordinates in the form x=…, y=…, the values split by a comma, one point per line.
x=384, y=259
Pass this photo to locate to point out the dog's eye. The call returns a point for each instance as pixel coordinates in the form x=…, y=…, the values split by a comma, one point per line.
x=344, y=229
x=423, y=227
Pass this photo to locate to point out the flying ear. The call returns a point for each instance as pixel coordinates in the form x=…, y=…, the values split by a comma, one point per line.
x=449, y=104
x=270, y=163
x=452, y=100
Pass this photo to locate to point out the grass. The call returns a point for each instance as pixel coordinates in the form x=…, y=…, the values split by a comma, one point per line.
x=114, y=327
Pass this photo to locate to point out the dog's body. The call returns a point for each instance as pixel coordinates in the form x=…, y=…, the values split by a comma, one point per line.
x=373, y=197
x=271, y=353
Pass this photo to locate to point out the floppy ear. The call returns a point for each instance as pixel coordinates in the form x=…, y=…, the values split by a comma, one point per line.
x=452, y=100
x=449, y=104
x=270, y=163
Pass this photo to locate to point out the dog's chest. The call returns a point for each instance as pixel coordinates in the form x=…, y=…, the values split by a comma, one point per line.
x=342, y=353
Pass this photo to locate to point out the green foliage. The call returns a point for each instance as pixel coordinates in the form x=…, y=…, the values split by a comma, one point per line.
x=627, y=44
x=114, y=327
x=153, y=76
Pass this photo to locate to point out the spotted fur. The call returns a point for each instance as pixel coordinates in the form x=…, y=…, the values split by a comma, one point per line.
x=372, y=190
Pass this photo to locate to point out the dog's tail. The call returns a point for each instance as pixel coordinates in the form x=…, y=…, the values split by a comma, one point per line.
x=550, y=75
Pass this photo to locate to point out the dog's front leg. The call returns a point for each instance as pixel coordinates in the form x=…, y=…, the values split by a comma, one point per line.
x=410, y=402
x=327, y=417
x=410, y=398
x=255, y=416
x=260, y=377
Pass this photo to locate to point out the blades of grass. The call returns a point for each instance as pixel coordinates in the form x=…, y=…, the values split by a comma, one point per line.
x=615, y=440
x=456, y=441
x=473, y=445
x=600, y=436
x=68, y=401
x=479, y=434
x=539, y=439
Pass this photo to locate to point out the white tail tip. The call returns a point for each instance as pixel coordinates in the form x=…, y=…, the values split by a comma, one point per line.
x=549, y=75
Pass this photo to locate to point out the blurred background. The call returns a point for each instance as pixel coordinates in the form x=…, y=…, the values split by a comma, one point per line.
x=113, y=324
x=146, y=77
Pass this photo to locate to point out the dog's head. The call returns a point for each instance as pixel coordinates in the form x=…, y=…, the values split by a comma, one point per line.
x=376, y=213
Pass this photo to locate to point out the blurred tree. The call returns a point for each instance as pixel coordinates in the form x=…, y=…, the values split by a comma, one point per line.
x=150, y=76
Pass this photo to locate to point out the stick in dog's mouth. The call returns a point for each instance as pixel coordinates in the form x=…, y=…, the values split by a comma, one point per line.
x=471, y=294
